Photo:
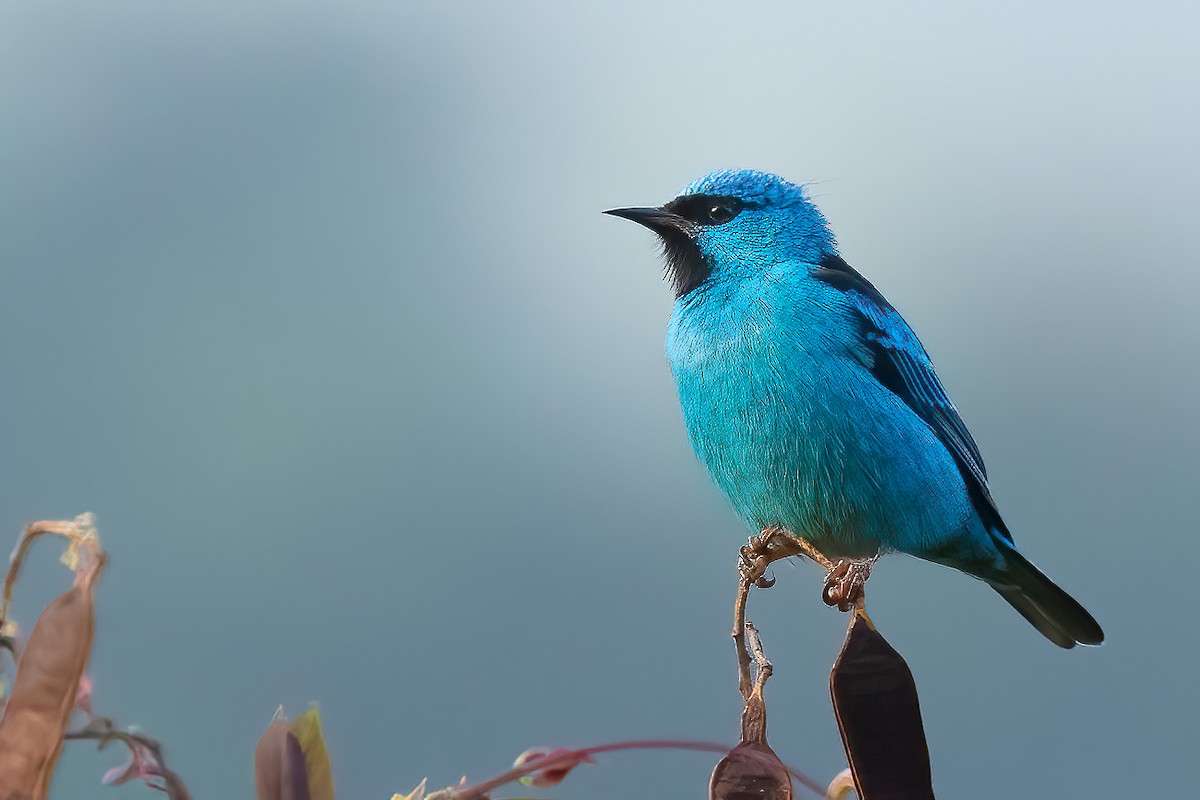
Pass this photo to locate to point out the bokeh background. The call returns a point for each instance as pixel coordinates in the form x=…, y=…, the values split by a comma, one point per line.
x=313, y=305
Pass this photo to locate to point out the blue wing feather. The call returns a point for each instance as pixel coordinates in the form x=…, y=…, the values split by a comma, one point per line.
x=901, y=365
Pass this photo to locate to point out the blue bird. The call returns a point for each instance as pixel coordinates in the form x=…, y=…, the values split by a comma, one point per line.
x=813, y=404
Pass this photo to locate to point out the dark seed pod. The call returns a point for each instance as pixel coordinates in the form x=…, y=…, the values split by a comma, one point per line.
x=879, y=716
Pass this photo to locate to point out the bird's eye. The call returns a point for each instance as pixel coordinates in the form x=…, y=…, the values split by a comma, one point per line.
x=705, y=209
x=720, y=213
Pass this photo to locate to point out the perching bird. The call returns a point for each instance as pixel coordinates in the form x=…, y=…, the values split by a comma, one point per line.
x=814, y=406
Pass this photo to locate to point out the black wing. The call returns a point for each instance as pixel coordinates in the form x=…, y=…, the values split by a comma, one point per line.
x=902, y=366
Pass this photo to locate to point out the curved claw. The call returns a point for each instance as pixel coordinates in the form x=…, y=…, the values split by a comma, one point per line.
x=835, y=595
x=762, y=550
x=845, y=583
x=753, y=565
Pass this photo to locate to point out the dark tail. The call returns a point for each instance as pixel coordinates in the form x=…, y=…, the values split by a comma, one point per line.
x=1047, y=607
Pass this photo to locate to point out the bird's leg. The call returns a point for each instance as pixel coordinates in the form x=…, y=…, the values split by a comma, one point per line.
x=846, y=581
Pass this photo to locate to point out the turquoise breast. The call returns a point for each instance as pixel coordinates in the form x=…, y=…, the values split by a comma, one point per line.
x=793, y=428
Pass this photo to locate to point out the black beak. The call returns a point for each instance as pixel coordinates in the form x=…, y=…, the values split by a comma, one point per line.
x=686, y=267
x=656, y=219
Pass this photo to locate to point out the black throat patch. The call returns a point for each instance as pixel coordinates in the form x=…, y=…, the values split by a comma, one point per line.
x=686, y=266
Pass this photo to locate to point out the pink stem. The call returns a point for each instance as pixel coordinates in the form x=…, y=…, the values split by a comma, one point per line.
x=573, y=757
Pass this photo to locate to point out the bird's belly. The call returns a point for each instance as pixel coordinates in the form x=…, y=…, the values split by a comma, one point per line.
x=820, y=450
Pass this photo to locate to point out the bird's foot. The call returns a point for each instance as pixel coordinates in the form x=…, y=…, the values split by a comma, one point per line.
x=769, y=546
x=761, y=551
x=752, y=566
x=846, y=581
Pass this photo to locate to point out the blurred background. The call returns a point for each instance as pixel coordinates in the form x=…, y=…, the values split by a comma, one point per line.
x=314, y=306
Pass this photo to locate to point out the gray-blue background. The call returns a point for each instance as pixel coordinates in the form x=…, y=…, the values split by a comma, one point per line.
x=315, y=308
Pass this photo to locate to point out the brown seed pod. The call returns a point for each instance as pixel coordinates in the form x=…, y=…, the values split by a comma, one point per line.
x=751, y=771
x=280, y=772
x=43, y=692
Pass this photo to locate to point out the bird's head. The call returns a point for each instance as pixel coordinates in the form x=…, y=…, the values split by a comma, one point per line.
x=731, y=225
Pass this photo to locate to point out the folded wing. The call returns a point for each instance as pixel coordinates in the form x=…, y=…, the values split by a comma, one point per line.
x=901, y=365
